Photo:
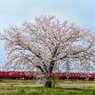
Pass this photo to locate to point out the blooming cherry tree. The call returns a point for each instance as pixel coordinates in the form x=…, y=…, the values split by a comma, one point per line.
x=46, y=43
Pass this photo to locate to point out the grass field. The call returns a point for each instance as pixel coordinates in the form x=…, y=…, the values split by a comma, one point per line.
x=64, y=87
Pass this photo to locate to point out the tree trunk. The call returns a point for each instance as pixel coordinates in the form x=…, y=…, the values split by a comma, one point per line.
x=67, y=77
x=87, y=78
x=67, y=74
x=48, y=83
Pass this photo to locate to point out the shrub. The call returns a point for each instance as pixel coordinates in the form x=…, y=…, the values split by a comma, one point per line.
x=55, y=80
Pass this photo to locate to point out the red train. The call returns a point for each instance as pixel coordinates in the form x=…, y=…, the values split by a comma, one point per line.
x=18, y=74
x=33, y=74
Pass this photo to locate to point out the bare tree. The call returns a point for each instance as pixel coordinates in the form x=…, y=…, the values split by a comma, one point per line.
x=43, y=44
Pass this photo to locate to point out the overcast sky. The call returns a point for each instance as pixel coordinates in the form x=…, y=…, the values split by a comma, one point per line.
x=15, y=12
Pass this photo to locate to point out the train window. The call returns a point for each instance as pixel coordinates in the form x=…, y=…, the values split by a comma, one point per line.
x=69, y=74
x=90, y=75
x=60, y=74
x=1, y=73
x=93, y=75
x=64, y=74
x=72, y=74
x=10, y=73
x=16, y=73
x=31, y=74
x=77, y=74
x=51, y=74
x=21, y=73
x=85, y=75
x=35, y=74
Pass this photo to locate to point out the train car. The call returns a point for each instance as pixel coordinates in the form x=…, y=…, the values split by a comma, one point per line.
x=55, y=74
x=34, y=75
x=62, y=75
x=31, y=74
x=85, y=76
x=81, y=76
x=16, y=74
x=12, y=74
x=76, y=75
x=91, y=75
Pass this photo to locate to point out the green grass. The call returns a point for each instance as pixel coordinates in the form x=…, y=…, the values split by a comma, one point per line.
x=9, y=90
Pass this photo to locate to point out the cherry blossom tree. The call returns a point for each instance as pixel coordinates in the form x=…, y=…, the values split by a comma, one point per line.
x=86, y=65
x=44, y=44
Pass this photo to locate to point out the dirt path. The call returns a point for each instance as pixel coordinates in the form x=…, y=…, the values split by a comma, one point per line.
x=65, y=84
x=79, y=85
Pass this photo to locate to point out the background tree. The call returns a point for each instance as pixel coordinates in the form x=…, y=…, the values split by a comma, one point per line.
x=67, y=66
x=43, y=44
x=86, y=66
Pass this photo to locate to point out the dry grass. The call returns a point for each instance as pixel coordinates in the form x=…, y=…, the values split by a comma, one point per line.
x=63, y=83
x=83, y=84
x=21, y=83
x=79, y=85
